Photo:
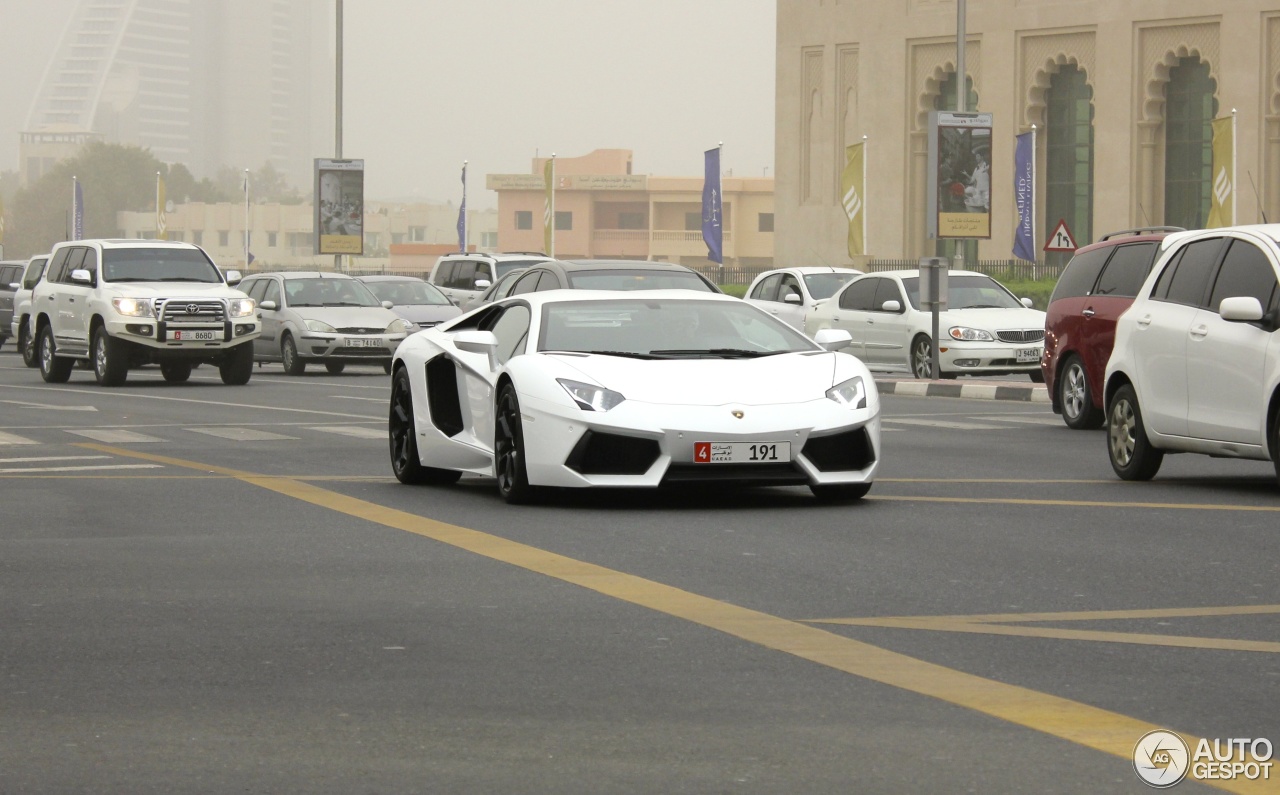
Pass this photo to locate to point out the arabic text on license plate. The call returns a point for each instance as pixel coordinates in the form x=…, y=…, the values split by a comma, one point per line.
x=196, y=336
x=362, y=342
x=1028, y=355
x=741, y=452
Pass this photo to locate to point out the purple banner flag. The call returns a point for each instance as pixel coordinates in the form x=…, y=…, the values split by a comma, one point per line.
x=713, y=208
x=1024, y=192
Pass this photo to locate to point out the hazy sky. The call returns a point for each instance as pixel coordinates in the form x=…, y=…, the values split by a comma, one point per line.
x=430, y=83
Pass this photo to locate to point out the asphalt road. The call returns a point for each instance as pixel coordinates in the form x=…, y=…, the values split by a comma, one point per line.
x=211, y=589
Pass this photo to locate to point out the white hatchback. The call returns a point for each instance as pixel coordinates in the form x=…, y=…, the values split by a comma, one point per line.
x=986, y=330
x=1196, y=362
x=789, y=293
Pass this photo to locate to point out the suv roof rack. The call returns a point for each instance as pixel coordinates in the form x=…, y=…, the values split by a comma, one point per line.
x=1142, y=230
x=526, y=253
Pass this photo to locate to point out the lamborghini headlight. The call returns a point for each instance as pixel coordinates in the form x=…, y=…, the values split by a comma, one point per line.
x=134, y=307
x=970, y=334
x=400, y=326
x=320, y=325
x=590, y=397
x=241, y=307
x=851, y=393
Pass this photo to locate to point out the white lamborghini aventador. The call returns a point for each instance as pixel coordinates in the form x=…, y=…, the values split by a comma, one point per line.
x=576, y=388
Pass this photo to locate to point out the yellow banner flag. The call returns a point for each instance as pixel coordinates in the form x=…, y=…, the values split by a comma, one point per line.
x=1222, y=198
x=162, y=225
x=549, y=210
x=852, y=187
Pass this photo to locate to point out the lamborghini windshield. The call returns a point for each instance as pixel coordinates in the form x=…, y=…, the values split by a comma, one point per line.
x=667, y=329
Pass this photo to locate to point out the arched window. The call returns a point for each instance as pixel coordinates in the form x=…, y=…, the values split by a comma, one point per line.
x=1188, y=153
x=946, y=100
x=1069, y=156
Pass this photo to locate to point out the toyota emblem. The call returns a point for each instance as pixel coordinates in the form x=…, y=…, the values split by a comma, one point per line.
x=193, y=309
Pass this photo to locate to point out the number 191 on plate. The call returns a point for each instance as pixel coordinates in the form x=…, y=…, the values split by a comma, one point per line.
x=741, y=452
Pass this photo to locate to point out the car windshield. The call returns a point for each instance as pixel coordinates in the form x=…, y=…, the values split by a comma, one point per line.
x=667, y=328
x=824, y=285
x=158, y=265
x=515, y=264
x=967, y=292
x=328, y=292
x=637, y=279
x=407, y=293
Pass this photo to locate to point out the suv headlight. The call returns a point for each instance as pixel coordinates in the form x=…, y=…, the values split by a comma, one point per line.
x=851, y=393
x=241, y=307
x=134, y=307
x=970, y=334
x=590, y=397
x=320, y=325
x=400, y=325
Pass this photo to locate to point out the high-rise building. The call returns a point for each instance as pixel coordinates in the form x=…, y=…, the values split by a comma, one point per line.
x=206, y=83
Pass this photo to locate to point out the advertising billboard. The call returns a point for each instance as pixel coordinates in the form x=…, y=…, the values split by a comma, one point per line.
x=959, y=175
x=339, y=206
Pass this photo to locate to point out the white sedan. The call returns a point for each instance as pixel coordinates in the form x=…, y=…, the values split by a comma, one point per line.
x=789, y=293
x=985, y=329
x=579, y=388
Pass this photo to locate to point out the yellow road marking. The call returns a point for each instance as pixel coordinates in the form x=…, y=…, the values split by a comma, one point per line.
x=1092, y=727
x=1083, y=615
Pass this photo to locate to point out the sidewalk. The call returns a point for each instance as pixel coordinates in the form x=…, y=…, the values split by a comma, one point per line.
x=967, y=388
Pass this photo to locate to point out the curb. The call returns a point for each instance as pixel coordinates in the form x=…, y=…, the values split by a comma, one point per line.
x=1028, y=393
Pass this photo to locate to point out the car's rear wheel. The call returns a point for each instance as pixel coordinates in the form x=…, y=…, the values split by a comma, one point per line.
x=237, y=367
x=844, y=492
x=509, y=450
x=1037, y=377
x=922, y=357
x=293, y=364
x=27, y=344
x=110, y=359
x=176, y=372
x=402, y=437
x=335, y=368
x=53, y=369
x=1131, y=453
x=1075, y=396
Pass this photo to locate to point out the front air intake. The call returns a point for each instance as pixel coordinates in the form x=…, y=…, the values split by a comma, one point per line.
x=599, y=453
x=840, y=452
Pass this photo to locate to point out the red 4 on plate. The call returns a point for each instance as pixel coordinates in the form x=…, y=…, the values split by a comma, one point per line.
x=702, y=452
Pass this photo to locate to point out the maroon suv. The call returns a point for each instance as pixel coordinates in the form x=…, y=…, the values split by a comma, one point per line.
x=1096, y=287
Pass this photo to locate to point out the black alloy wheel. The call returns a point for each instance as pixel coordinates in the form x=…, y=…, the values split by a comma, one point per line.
x=509, y=450
x=402, y=438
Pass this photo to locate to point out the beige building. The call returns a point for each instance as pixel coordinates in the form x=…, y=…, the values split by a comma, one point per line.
x=603, y=210
x=1120, y=93
x=281, y=234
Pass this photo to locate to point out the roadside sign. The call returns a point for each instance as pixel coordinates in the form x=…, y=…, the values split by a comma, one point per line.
x=1061, y=239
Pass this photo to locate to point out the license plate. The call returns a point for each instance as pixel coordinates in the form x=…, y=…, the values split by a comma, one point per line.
x=1027, y=355
x=361, y=342
x=741, y=452
x=196, y=336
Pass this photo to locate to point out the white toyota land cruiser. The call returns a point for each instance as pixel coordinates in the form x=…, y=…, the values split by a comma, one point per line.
x=126, y=303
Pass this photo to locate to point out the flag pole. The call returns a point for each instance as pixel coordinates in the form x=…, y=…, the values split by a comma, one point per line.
x=552, y=252
x=75, y=206
x=464, y=209
x=158, y=208
x=246, y=219
x=864, y=198
x=720, y=190
x=1234, y=159
x=1033, y=193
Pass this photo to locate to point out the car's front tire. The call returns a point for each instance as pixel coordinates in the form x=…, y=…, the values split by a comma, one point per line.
x=176, y=372
x=53, y=369
x=1132, y=456
x=237, y=367
x=509, y=449
x=293, y=364
x=402, y=438
x=110, y=359
x=843, y=492
x=1075, y=397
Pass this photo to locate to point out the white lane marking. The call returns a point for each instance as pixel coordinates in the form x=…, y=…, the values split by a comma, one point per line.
x=108, y=436
x=241, y=434
x=1013, y=418
x=8, y=438
x=357, y=397
x=49, y=406
x=959, y=426
x=141, y=396
x=358, y=431
x=28, y=470
x=327, y=384
x=27, y=460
